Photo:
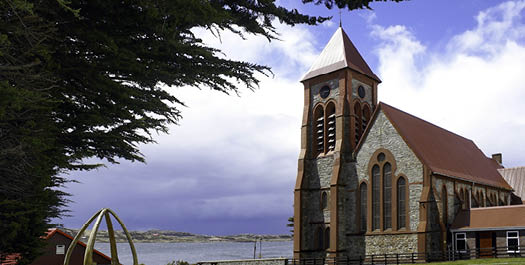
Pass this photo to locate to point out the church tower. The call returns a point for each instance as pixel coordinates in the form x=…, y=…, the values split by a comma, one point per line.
x=340, y=95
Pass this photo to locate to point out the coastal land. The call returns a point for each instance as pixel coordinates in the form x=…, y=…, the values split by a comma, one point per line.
x=166, y=236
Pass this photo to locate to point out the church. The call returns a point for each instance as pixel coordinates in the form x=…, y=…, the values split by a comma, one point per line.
x=373, y=179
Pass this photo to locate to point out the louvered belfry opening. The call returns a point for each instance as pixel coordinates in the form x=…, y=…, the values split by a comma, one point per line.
x=330, y=124
x=357, y=123
x=319, y=130
x=366, y=117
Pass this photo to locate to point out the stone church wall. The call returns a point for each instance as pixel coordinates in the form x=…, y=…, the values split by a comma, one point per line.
x=334, y=91
x=384, y=135
x=318, y=174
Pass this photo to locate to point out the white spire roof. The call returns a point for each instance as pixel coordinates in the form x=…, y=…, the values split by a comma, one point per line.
x=339, y=53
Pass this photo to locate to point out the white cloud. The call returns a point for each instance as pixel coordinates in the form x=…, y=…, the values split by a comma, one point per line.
x=230, y=156
x=475, y=87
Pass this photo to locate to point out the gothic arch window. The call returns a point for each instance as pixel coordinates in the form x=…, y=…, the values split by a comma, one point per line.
x=466, y=198
x=480, y=199
x=362, y=206
x=358, y=120
x=327, y=238
x=488, y=200
x=401, y=203
x=444, y=204
x=320, y=239
x=366, y=117
x=475, y=200
x=462, y=198
x=324, y=200
x=376, y=193
x=330, y=126
x=387, y=196
x=384, y=201
x=319, y=129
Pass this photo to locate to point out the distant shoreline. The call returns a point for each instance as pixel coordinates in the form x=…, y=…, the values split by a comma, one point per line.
x=167, y=236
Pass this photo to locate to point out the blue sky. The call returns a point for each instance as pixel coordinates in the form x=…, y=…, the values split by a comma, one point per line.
x=230, y=166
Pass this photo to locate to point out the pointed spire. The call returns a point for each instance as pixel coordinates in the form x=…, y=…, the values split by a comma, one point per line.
x=339, y=53
x=340, y=19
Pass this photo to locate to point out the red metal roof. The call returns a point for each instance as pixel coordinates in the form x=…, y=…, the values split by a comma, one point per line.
x=490, y=218
x=444, y=152
x=11, y=258
x=339, y=53
x=53, y=231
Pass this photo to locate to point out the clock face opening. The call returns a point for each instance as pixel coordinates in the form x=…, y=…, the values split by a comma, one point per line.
x=324, y=92
x=361, y=91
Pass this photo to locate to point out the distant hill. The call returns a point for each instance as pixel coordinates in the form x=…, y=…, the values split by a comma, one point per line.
x=156, y=236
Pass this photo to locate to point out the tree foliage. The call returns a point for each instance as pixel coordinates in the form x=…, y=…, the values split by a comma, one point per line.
x=85, y=78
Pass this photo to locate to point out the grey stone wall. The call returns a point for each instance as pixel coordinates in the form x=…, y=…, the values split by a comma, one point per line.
x=275, y=261
x=318, y=173
x=334, y=91
x=368, y=89
x=391, y=244
x=384, y=135
x=452, y=204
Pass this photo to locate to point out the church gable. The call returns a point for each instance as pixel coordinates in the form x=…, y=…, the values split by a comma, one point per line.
x=383, y=136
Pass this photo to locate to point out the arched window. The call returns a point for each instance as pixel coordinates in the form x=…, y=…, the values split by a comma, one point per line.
x=357, y=124
x=330, y=124
x=480, y=199
x=319, y=129
x=362, y=207
x=444, y=205
x=467, y=199
x=387, y=196
x=401, y=203
x=462, y=198
x=475, y=200
x=324, y=200
x=366, y=117
x=327, y=238
x=384, y=205
x=320, y=239
x=375, y=197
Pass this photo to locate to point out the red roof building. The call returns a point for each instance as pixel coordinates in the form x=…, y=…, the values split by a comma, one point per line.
x=57, y=244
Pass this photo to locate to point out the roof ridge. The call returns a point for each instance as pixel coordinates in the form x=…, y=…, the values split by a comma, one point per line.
x=439, y=127
x=511, y=168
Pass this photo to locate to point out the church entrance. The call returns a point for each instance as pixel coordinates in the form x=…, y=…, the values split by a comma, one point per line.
x=485, y=244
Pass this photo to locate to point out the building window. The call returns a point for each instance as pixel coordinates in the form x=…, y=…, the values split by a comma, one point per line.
x=363, y=209
x=461, y=242
x=319, y=129
x=366, y=117
x=387, y=196
x=480, y=199
x=320, y=239
x=324, y=200
x=358, y=119
x=386, y=205
x=327, y=238
x=60, y=249
x=513, y=241
x=330, y=124
x=375, y=197
x=401, y=203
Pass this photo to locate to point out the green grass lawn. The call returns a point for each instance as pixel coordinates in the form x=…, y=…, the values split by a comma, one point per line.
x=501, y=261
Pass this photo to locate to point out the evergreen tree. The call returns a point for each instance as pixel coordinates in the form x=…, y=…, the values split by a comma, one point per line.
x=83, y=78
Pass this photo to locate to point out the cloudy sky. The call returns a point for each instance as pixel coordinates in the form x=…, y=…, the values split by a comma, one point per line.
x=230, y=165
